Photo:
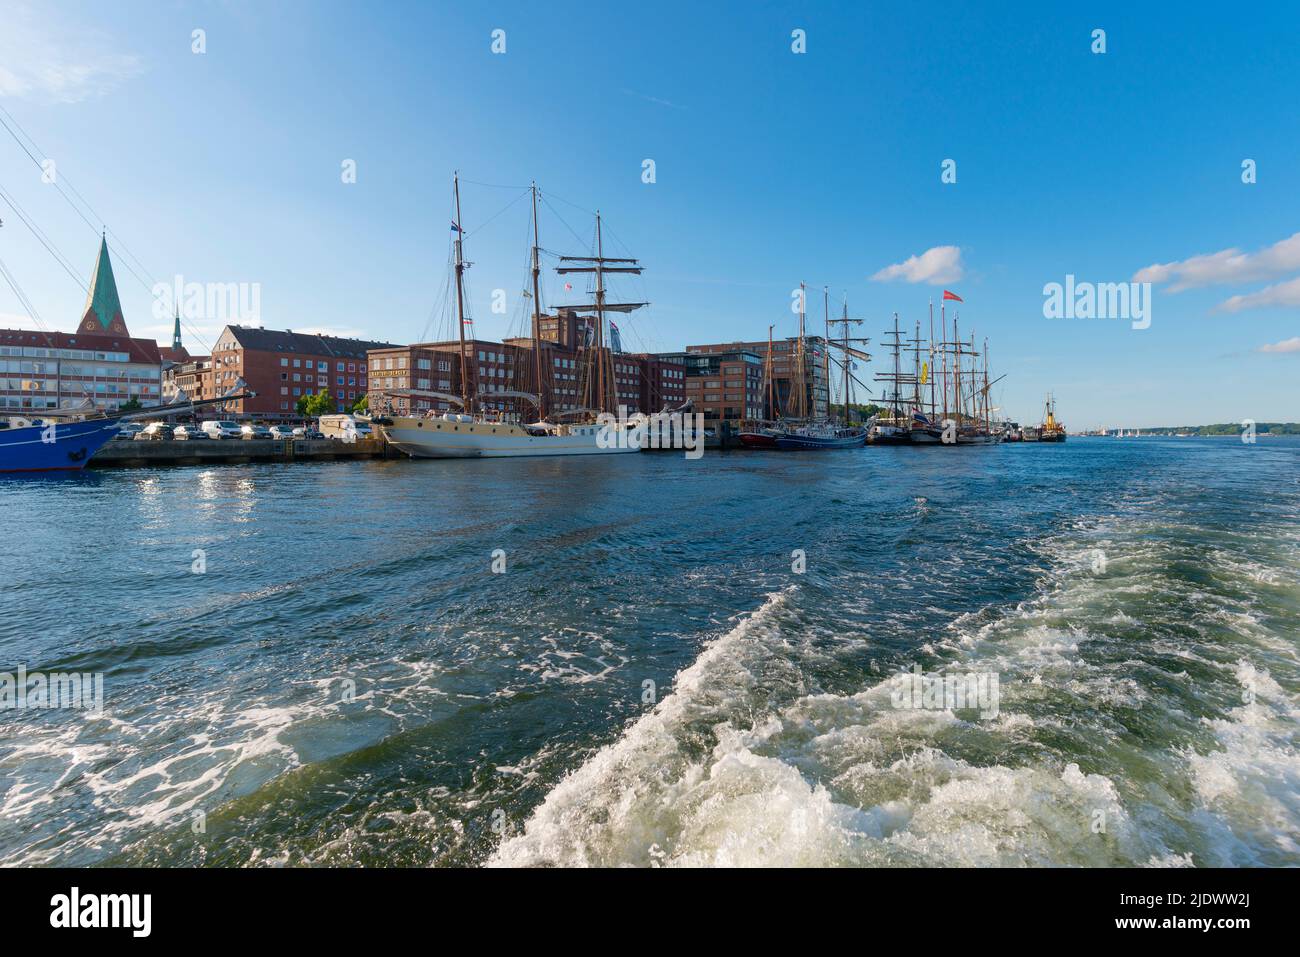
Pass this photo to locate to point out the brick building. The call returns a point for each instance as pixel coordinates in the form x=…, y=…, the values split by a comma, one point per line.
x=642, y=382
x=723, y=384
x=283, y=366
x=101, y=365
x=784, y=352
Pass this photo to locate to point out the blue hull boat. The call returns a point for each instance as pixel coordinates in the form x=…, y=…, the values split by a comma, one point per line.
x=828, y=439
x=54, y=446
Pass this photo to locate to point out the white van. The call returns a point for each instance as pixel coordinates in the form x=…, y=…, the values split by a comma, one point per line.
x=223, y=429
x=343, y=426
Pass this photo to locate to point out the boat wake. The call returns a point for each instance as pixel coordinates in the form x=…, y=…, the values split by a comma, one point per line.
x=1124, y=737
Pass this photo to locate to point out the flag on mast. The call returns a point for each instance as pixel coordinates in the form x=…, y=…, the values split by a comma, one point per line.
x=952, y=295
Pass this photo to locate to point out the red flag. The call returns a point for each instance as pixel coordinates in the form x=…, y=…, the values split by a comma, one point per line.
x=952, y=295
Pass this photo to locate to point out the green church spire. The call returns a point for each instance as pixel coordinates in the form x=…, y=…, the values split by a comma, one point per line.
x=103, y=312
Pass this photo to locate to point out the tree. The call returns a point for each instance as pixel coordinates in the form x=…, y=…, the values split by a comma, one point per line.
x=312, y=406
x=361, y=405
x=130, y=405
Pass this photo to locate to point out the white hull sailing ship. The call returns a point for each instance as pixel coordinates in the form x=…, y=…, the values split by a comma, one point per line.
x=480, y=434
x=459, y=436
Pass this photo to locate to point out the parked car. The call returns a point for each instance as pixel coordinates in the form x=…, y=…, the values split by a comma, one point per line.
x=129, y=430
x=255, y=431
x=155, y=432
x=307, y=433
x=223, y=429
x=282, y=432
x=190, y=433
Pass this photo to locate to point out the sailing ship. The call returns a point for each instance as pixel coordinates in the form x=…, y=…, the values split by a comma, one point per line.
x=962, y=391
x=802, y=433
x=477, y=433
x=1050, y=430
x=895, y=426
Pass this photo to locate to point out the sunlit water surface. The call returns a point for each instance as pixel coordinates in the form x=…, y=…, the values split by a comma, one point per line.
x=649, y=682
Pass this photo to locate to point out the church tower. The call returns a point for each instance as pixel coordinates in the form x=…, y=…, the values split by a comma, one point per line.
x=103, y=312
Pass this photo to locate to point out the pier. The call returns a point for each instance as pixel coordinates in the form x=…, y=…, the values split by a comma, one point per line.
x=130, y=454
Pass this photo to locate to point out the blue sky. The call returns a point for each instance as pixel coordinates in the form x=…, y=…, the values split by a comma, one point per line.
x=771, y=167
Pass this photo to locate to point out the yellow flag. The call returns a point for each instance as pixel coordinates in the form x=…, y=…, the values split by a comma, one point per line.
x=925, y=372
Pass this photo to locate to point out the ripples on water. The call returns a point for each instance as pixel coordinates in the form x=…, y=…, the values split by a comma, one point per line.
x=350, y=684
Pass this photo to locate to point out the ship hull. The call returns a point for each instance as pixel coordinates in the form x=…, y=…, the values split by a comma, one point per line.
x=757, y=440
x=889, y=435
x=57, y=447
x=439, y=439
x=794, y=443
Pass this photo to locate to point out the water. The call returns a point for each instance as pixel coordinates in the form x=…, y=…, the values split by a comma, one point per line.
x=349, y=683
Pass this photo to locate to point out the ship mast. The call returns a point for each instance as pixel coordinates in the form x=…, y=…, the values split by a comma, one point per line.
x=845, y=320
x=599, y=265
x=847, y=345
x=460, y=298
x=958, y=351
x=930, y=369
x=988, y=425
x=943, y=351
x=771, y=384
x=826, y=347
x=600, y=316
x=537, y=314
x=801, y=371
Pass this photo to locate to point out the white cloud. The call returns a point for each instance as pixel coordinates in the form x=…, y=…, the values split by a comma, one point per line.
x=1282, y=294
x=1286, y=345
x=936, y=266
x=55, y=60
x=1226, y=266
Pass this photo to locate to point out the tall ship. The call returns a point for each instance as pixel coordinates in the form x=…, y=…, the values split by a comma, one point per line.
x=799, y=432
x=1051, y=430
x=960, y=410
x=474, y=431
x=902, y=391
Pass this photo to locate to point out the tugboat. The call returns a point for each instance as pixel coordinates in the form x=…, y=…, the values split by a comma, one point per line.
x=1051, y=430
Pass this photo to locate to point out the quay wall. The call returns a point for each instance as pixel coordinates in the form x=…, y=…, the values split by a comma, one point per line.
x=130, y=454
